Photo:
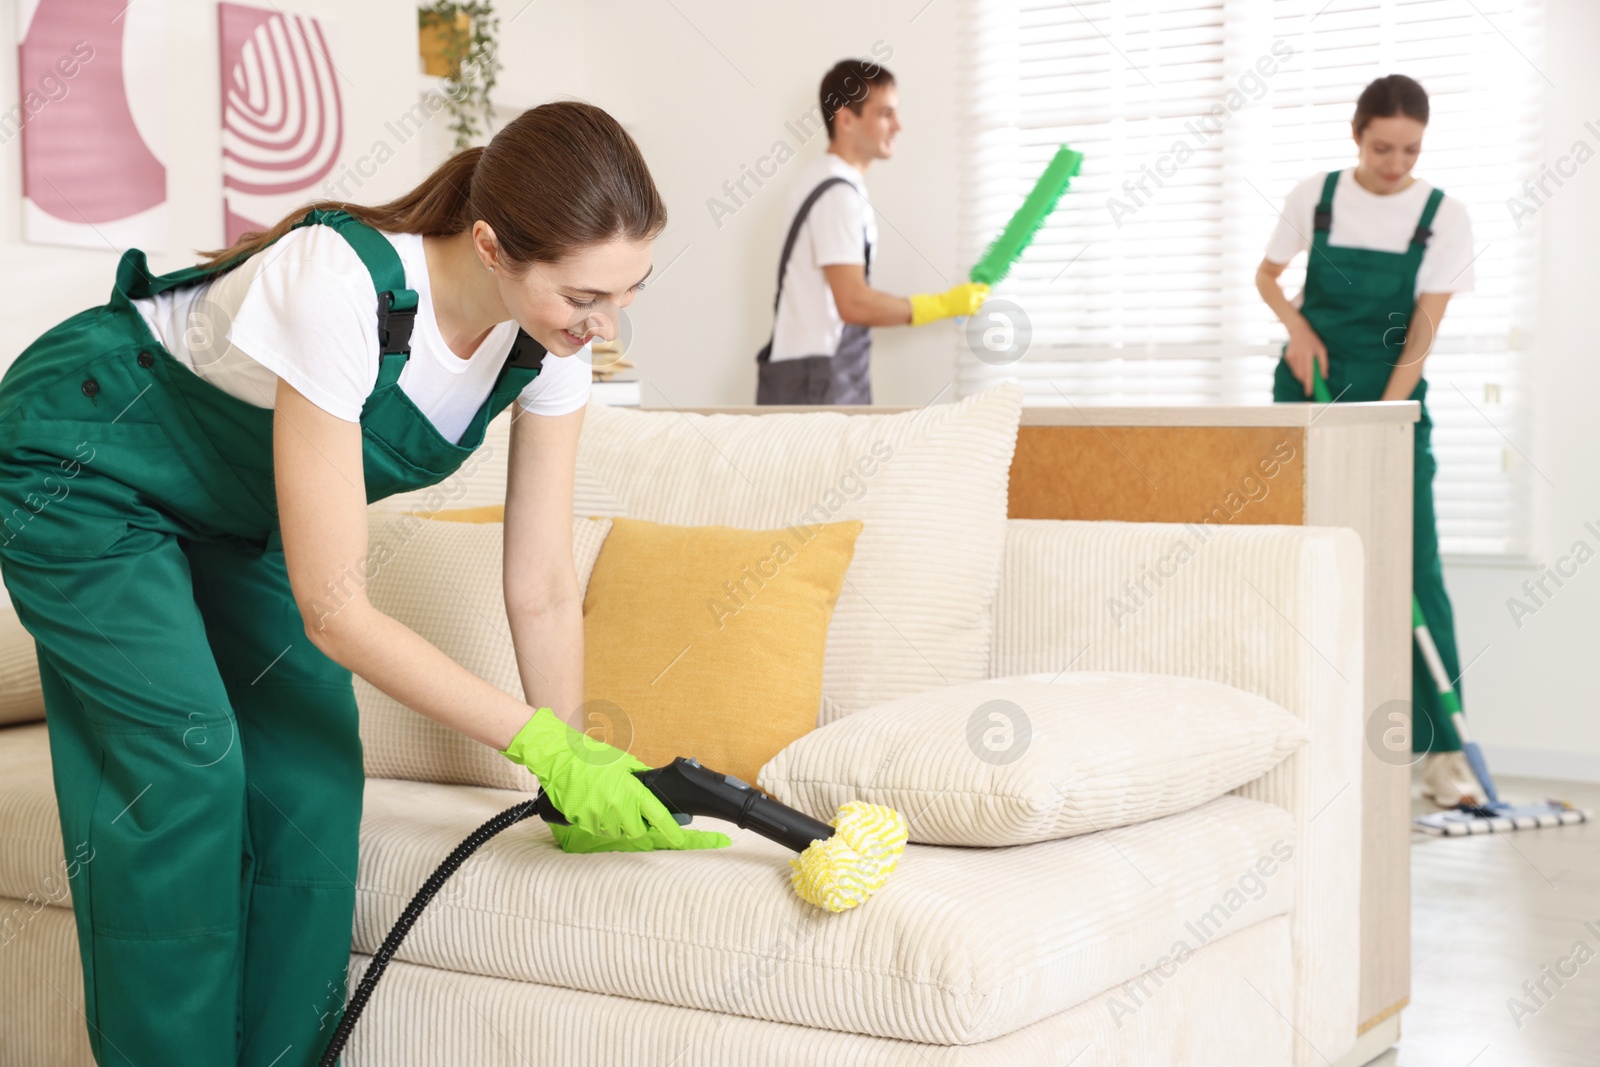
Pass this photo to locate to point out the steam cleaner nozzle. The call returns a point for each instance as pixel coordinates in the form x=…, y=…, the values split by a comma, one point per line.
x=840, y=863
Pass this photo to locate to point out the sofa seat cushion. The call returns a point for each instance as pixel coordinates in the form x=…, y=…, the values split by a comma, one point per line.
x=32, y=860
x=1227, y=1007
x=21, y=693
x=962, y=945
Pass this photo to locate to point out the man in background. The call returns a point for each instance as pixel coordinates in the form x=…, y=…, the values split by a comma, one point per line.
x=821, y=346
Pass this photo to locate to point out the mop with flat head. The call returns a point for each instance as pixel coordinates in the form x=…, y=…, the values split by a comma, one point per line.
x=1493, y=815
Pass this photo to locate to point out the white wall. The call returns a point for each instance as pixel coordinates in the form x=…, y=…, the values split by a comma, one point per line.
x=1532, y=696
x=708, y=92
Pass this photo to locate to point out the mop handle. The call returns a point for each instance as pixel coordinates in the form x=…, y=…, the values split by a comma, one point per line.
x=1451, y=701
x=1430, y=652
x=1319, y=388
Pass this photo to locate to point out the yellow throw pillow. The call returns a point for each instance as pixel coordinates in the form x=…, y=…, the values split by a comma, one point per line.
x=708, y=641
x=486, y=513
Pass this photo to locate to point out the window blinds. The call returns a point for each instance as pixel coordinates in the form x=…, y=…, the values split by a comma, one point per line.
x=1196, y=117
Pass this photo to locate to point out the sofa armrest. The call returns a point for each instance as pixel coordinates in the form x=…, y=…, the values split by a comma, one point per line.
x=1274, y=610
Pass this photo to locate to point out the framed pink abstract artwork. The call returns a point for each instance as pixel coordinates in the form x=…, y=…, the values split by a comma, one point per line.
x=282, y=121
x=91, y=115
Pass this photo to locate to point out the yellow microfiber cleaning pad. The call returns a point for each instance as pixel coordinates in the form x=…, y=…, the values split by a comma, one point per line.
x=847, y=868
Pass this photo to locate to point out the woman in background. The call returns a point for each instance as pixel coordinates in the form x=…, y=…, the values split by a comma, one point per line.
x=1386, y=251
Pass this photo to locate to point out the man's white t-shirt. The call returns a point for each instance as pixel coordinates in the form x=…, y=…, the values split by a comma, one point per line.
x=304, y=309
x=1363, y=219
x=840, y=222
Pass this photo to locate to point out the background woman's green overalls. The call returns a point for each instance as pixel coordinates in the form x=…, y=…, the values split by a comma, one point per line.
x=1360, y=302
x=203, y=748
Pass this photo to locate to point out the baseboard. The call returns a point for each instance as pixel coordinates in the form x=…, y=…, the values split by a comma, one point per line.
x=1372, y=1043
x=1516, y=761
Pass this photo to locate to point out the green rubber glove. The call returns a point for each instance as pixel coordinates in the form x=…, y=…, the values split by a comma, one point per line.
x=572, y=839
x=591, y=782
x=963, y=299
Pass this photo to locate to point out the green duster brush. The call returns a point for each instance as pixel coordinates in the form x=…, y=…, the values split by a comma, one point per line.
x=997, y=260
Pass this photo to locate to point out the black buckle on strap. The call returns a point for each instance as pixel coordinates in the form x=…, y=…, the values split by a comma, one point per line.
x=526, y=353
x=1322, y=219
x=394, y=327
x=1422, y=235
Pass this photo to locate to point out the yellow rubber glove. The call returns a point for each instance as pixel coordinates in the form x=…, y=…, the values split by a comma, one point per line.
x=590, y=782
x=963, y=299
x=572, y=839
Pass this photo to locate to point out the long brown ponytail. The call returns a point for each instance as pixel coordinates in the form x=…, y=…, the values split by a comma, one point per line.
x=557, y=178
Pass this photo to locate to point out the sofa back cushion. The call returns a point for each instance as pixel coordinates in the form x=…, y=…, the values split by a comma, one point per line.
x=444, y=580
x=928, y=485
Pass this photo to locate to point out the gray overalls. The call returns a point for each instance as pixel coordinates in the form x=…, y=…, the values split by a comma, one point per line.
x=845, y=377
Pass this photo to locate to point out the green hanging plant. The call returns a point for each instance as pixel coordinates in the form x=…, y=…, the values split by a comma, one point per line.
x=457, y=41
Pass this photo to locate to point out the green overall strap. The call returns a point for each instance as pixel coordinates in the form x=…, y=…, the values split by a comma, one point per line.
x=1322, y=221
x=397, y=305
x=1412, y=256
x=1419, y=239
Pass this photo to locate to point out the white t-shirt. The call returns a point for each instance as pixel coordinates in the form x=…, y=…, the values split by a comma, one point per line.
x=1363, y=219
x=808, y=322
x=305, y=309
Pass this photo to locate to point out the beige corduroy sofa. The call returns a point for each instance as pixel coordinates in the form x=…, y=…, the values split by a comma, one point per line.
x=1056, y=952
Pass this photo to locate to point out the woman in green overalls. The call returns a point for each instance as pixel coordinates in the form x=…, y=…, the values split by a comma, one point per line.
x=169, y=545
x=1385, y=253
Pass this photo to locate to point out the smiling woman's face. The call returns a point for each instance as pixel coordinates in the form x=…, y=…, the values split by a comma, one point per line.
x=566, y=305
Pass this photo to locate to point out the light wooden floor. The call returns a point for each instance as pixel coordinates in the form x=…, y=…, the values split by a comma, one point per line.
x=1490, y=913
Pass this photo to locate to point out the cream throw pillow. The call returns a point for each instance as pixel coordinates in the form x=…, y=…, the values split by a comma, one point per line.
x=1010, y=761
x=444, y=580
x=929, y=486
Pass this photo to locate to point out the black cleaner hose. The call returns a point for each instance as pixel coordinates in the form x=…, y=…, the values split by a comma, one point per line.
x=684, y=786
x=391, y=944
